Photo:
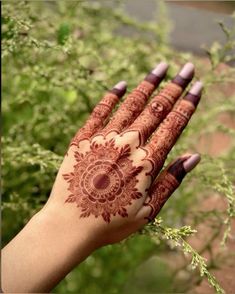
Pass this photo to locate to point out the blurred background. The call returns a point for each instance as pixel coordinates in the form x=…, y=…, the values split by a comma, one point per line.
x=193, y=22
x=58, y=59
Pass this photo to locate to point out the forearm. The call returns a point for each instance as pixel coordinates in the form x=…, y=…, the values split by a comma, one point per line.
x=41, y=255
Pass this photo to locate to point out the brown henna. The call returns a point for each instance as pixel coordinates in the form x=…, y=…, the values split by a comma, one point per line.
x=103, y=182
x=112, y=167
x=161, y=190
x=168, y=181
x=130, y=108
x=168, y=132
x=156, y=111
x=100, y=113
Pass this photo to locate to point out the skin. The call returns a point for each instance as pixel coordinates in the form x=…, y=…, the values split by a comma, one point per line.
x=108, y=185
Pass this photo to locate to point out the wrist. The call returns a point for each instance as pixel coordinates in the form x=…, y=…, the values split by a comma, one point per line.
x=42, y=254
x=72, y=239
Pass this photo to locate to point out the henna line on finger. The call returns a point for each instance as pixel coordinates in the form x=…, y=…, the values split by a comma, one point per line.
x=158, y=108
x=169, y=131
x=136, y=100
x=100, y=113
x=168, y=181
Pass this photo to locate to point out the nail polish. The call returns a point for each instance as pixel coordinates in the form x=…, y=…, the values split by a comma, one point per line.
x=160, y=69
x=183, y=165
x=191, y=162
x=177, y=169
x=196, y=89
x=187, y=71
x=121, y=85
x=195, y=92
x=119, y=89
x=157, y=74
x=185, y=75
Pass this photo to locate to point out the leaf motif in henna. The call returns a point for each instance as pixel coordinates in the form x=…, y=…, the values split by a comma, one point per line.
x=104, y=180
x=78, y=156
x=68, y=177
x=122, y=211
x=136, y=194
x=125, y=151
x=71, y=199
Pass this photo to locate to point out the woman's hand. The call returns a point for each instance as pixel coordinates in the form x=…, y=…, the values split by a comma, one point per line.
x=108, y=185
x=109, y=181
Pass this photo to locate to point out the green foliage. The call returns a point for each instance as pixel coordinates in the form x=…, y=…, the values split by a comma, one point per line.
x=58, y=59
x=218, y=53
x=177, y=236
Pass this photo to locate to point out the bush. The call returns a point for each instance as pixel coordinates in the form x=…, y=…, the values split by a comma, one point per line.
x=58, y=60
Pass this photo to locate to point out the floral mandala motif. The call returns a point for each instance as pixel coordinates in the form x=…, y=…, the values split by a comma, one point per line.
x=104, y=180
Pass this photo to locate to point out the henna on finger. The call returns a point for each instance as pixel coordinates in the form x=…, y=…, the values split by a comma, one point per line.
x=112, y=175
x=161, y=104
x=167, y=182
x=135, y=101
x=100, y=113
x=170, y=129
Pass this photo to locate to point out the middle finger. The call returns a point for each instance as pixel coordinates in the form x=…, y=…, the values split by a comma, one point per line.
x=157, y=109
x=135, y=101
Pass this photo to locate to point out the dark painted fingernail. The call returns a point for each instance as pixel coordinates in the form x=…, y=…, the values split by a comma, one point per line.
x=184, y=77
x=183, y=165
x=157, y=74
x=194, y=94
x=119, y=89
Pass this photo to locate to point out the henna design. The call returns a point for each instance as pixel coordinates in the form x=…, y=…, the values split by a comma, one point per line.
x=162, y=189
x=161, y=104
x=111, y=169
x=130, y=108
x=156, y=111
x=168, y=181
x=104, y=180
x=168, y=132
x=97, y=118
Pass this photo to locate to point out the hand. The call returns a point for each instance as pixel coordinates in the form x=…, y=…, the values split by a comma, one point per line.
x=108, y=184
x=108, y=181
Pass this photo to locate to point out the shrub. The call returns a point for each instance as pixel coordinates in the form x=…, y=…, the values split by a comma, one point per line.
x=58, y=59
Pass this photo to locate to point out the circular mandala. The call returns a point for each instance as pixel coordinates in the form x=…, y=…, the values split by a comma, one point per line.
x=103, y=181
x=156, y=108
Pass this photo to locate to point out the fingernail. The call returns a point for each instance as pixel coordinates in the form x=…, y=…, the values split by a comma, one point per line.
x=191, y=162
x=120, y=85
x=185, y=75
x=187, y=71
x=160, y=70
x=157, y=74
x=183, y=165
x=120, y=88
x=194, y=93
x=196, y=89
